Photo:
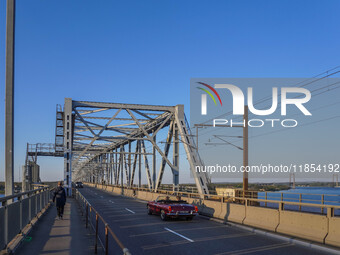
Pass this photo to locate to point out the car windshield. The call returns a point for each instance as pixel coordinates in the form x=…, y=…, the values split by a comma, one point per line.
x=168, y=200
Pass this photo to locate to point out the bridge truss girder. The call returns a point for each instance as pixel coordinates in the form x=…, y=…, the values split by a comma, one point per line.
x=99, y=139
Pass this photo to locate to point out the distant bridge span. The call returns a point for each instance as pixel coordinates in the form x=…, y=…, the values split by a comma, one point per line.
x=104, y=142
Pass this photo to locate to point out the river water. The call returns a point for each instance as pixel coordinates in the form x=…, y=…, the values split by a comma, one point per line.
x=330, y=196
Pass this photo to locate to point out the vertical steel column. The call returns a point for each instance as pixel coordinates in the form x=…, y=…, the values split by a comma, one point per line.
x=135, y=158
x=139, y=165
x=111, y=168
x=176, y=156
x=116, y=166
x=104, y=164
x=129, y=162
x=68, y=133
x=154, y=165
x=108, y=168
x=25, y=186
x=121, y=166
x=245, y=149
x=9, y=122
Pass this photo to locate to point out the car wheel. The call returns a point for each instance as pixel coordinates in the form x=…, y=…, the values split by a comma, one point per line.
x=189, y=218
x=163, y=215
x=149, y=211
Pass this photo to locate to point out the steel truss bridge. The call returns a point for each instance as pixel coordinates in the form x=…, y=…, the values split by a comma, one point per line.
x=107, y=142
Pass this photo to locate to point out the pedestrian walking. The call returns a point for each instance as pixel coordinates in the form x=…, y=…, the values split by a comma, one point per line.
x=60, y=199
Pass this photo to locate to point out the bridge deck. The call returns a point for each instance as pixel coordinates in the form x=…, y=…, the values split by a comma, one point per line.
x=148, y=234
x=52, y=236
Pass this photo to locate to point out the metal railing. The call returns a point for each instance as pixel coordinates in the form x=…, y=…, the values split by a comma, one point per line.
x=41, y=147
x=18, y=210
x=91, y=214
x=310, y=198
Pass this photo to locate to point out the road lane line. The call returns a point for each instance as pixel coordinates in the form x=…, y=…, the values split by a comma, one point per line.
x=130, y=211
x=111, y=201
x=162, y=232
x=186, y=238
x=101, y=196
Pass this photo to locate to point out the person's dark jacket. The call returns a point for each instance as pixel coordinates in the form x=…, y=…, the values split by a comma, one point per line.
x=59, y=196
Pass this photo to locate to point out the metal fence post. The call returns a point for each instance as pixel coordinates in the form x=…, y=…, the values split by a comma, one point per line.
x=106, y=239
x=36, y=204
x=300, y=200
x=41, y=198
x=29, y=207
x=6, y=222
x=20, y=213
x=96, y=244
x=322, y=202
x=87, y=215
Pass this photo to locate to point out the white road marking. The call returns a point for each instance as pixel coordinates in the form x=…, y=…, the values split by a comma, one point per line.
x=101, y=196
x=130, y=211
x=111, y=201
x=186, y=238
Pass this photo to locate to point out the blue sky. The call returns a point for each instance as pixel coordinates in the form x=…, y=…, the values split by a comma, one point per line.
x=147, y=51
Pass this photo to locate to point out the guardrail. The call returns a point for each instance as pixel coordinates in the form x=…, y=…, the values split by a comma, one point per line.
x=312, y=198
x=18, y=210
x=269, y=196
x=237, y=199
x=91, y=213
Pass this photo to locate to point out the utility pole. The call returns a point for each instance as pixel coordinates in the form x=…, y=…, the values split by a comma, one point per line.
x=245, y=143
x=245, y=149
x=9, y=121
x=292, y=180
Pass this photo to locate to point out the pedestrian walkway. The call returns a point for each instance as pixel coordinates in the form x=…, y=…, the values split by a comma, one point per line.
x=62, y=237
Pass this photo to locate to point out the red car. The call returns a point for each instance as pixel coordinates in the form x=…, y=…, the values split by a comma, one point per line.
x=167, y=208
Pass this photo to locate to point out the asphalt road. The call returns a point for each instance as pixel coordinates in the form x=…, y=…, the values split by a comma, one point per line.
x=148, y=234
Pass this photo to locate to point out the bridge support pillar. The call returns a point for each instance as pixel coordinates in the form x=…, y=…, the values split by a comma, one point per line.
x=139, y=165
x=68, y=134
x=175, y=171
x=154, y=165
x=9, y=130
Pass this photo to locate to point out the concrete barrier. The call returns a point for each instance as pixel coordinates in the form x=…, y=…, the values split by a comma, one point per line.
x=304, y=225
x=117, y=190
x=153, y=196
x=333, y=237
x=198, y=202
x=235, y=212
x=260, y=217
x=142, y=195
x=128, y=192
x=211, y=208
